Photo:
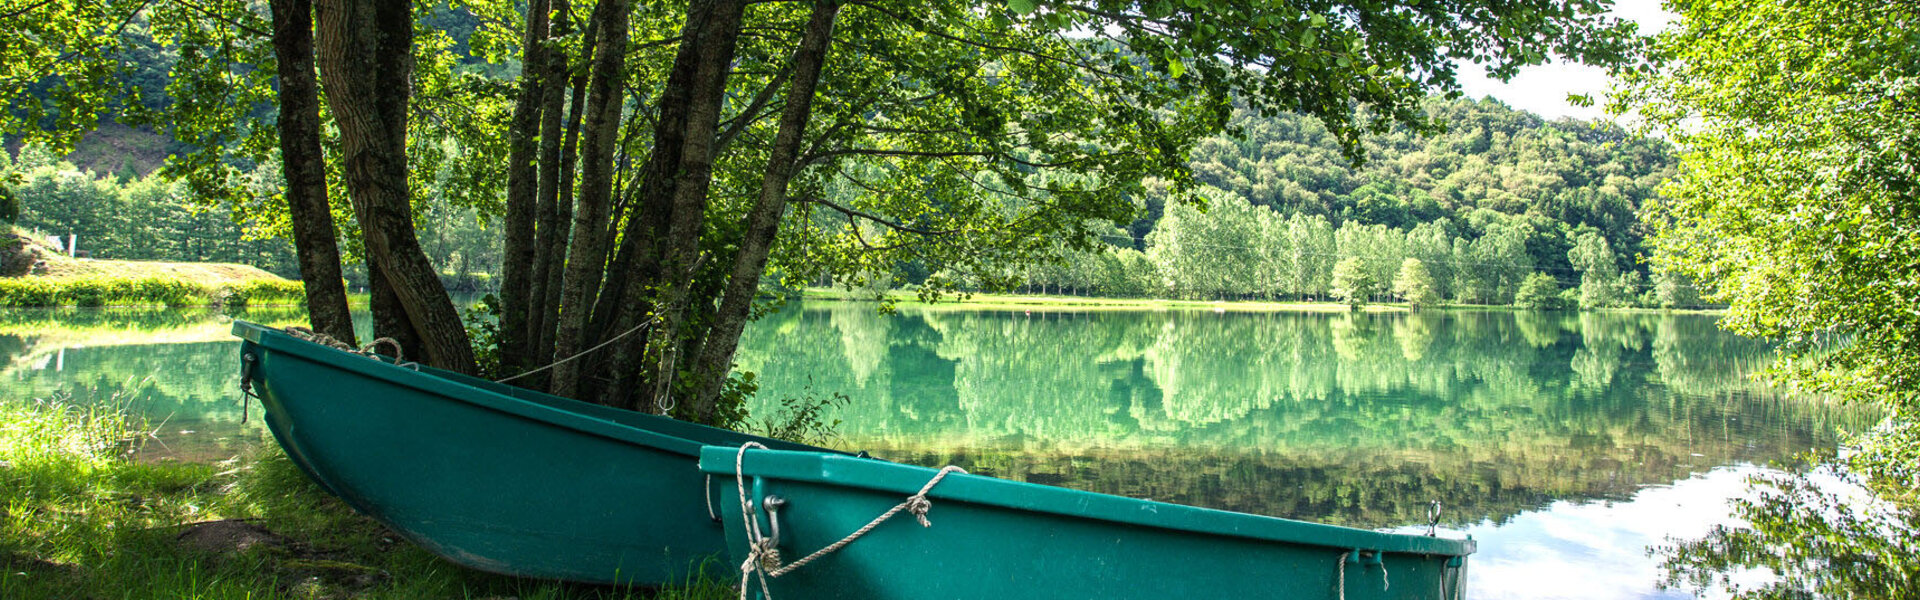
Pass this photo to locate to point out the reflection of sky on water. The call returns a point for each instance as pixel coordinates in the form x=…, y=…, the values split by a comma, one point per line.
x=1598, y=549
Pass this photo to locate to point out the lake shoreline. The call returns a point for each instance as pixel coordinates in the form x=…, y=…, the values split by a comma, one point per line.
x=991, y=301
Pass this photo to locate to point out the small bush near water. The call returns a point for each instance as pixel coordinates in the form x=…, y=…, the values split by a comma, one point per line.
x=119, y=291
x=81, y=518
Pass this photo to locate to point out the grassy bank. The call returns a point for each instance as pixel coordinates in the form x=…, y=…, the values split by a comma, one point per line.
x=34, y=274
x=146, y=290
x=79, y=519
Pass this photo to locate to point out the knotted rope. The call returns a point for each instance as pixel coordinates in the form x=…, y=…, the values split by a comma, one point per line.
x=763, y=557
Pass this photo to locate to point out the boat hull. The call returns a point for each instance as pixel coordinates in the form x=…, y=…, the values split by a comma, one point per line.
x=492, y=477
x=993, y=538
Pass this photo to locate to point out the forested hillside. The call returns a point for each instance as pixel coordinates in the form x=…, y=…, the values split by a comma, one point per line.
x=1499, y=195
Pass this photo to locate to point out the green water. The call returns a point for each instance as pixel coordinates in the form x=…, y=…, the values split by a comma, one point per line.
x=1354, y=419
x=1566, y=443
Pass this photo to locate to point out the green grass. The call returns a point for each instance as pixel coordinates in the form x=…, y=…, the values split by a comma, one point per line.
x=144, y=291
x=79, y=518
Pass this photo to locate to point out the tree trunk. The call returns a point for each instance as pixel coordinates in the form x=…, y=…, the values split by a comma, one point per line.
x=551, y=232
x=561, y=217
x=516, y=265
x=304, y=166
x=763, y=221
x=585, y=265
x=389, y=316
x=712, y=60
x=636, y=265
x=366, y=48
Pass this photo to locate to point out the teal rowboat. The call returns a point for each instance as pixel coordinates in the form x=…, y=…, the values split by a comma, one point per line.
x=491, y=476
x=1006, y=540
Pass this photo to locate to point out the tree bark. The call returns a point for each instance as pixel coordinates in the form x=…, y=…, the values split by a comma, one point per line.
x=516, y=265
x=710, y=367
x=711, y=61
x=638, y=258
x=586, y=265
x=561, y=217
x=366, y=49
x=303, y=164
x=549, y=229
x=389, y=316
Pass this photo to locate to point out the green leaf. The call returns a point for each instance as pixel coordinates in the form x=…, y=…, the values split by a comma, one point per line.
x=1024, y=7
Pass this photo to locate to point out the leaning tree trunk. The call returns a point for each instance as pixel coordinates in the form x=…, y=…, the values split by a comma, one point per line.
x=366, y=49
x=516, y=264
x=585, y=264
x=709, y=369
x=304, y=167
x=638, y=256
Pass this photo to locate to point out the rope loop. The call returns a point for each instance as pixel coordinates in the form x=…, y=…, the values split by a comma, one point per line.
x=373, y=347
x=763, y=558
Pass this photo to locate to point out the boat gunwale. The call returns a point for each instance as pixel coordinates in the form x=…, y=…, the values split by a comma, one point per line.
x=551, y=410
x=884, y=476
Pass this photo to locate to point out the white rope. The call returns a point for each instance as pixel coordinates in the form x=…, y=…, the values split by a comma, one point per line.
x=1342, y=586
x=763, y=557
x=1385, y=583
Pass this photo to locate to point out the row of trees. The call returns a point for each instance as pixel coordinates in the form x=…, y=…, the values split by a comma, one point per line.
x=145, y=218
x=134, y=217
x=1218, y=245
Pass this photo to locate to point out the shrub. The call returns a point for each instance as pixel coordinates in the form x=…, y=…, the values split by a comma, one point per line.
x=262, y=291
x=28, y=292
x=117, y=291
x=1539, y=292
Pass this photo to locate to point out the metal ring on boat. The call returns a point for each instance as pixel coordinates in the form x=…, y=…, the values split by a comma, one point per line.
x=773, y=504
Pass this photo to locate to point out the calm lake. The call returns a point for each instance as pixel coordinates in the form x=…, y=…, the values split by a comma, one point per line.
x=1566, y=443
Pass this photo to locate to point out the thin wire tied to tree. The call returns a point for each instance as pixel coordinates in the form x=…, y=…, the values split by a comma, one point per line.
x=610, y=341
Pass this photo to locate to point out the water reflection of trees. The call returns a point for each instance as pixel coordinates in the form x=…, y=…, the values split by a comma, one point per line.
x=1356, y=418
x=176, y=368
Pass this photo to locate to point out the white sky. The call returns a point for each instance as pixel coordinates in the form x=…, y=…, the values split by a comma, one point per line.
x=1543, y=89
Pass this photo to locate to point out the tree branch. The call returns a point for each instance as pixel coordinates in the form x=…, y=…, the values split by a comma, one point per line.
x=26, y=10
x=889, y=223
x=209, y=13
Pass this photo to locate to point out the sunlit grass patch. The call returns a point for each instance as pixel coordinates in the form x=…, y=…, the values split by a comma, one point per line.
x=79, y=518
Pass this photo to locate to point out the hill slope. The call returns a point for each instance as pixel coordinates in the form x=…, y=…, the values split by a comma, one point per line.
x=25, y=255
